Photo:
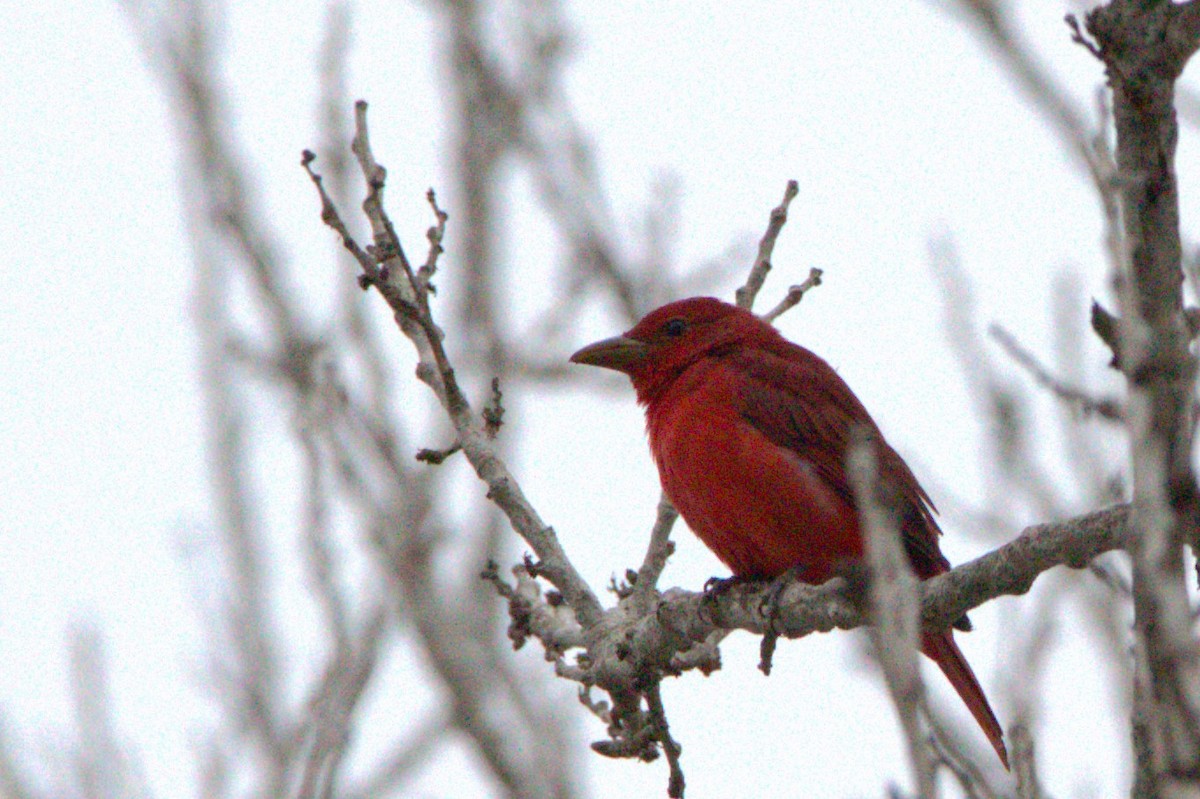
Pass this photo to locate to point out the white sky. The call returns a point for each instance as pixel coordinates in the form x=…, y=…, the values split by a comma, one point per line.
x=892, y=118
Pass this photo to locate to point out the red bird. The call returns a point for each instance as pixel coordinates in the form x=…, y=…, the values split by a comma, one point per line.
x=750, y=433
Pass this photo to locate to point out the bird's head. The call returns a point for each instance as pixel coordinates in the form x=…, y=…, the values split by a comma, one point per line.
x=668, y=340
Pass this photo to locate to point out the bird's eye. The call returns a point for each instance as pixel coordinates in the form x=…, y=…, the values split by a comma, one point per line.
x=675, y=327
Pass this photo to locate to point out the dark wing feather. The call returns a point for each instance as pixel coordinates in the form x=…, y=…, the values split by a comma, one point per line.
x=798, y=401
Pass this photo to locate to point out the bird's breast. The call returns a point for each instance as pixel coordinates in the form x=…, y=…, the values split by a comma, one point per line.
x=759, y=507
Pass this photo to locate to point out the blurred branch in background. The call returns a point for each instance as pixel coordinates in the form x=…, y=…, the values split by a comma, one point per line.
x=511, y=105
x=102, y=764
x=1020, y=486
x=994, y=21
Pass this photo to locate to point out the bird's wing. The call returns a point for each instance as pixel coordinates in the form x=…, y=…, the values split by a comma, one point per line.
x=799, y=402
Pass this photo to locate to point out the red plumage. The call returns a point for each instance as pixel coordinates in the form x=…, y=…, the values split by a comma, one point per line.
x=750, y=433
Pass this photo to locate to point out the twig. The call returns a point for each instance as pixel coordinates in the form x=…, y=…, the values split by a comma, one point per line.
x=437, y=456
x=534, y=613
x=1081, y=40
x=331, y=217
x=657, y=553
x=766, y=248
x=658, y=717
x=966, y=774
x=435, y=235
x=493, y=411
x=1024, y=763
x=794, y=295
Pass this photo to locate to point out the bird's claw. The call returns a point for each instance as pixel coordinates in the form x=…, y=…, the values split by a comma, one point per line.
x=714, y=589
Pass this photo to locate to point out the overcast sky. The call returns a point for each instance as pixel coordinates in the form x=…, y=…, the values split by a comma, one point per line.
x=898, y=127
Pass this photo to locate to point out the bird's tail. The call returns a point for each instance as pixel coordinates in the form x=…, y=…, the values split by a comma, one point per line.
x=940, y=647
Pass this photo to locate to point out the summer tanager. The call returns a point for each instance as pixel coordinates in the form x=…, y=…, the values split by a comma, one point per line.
x=750, y=433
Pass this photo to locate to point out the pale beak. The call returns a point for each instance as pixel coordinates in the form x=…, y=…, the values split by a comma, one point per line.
x=619, y=352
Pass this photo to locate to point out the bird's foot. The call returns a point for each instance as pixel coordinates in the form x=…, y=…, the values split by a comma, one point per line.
x=770, y=610
x=714, y=589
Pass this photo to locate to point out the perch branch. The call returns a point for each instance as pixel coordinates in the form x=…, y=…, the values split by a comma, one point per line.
x=803, y=609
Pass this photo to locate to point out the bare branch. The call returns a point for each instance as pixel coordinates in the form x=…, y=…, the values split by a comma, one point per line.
x=658, y=716
x=966, y=773
x=13, y=782
x=1109, y=409
x=1025, y=763
x=332, y=704
x=804, y=609
x=533, y=613
x=993, y=20
x=657, y=553
x=408, y=297
x=404, y=759
x=104, y=767
x=318, y=553
x=1005, y=408
x=794, y=295
x=766, y=248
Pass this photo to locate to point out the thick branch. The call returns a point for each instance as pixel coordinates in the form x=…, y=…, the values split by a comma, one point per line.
x=685, y=617
x=1145, y=47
